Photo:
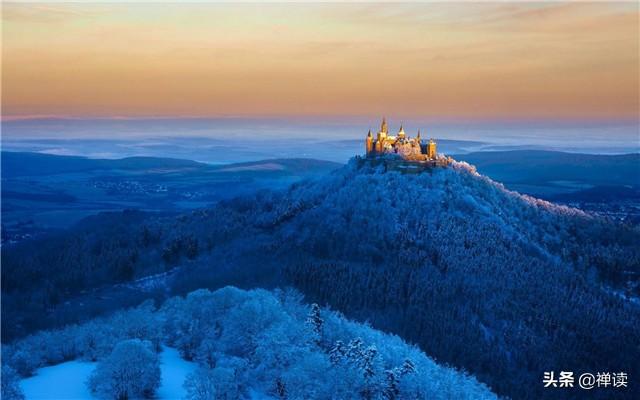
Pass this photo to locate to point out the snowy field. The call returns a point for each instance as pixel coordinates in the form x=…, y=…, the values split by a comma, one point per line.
x=174, y=371
x=62, y=381
x=67, y=381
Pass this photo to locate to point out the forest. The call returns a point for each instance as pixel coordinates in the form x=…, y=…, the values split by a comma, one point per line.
x=245, y=343
x=481, y=278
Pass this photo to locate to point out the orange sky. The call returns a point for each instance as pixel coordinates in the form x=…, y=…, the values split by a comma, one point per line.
x=485, y=61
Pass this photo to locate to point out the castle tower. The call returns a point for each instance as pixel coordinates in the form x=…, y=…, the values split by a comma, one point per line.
x=382, y=136
x=401, y=133
x=417, y=142
x=431, y=149
x=369, y=142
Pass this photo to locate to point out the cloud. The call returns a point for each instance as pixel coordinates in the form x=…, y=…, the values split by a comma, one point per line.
x=58, y=151
x=49, y=13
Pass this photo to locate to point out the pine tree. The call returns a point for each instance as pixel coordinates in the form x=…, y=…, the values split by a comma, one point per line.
x=368, y=359
x=391, y=390
x=281, y=389
x=315, y=321
x=367, y=366
x=338, y=352
x=408, y=367
x=354, y=350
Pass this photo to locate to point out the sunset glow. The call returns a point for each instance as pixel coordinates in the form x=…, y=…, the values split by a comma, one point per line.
x=482, y=61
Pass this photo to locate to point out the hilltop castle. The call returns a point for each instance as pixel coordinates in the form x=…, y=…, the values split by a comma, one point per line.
x=410, y=149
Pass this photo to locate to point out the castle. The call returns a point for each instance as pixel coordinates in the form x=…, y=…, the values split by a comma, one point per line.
x=409, y=149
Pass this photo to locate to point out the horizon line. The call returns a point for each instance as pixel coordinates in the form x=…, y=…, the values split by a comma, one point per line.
x=316, y=118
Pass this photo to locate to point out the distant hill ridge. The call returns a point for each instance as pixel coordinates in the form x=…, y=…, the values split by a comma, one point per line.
x=16, y=164
x=515, y=166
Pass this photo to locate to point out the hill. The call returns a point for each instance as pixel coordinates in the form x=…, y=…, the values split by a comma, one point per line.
x=503, y=285
x=21, y=164
x=18, y=164
x=530, y=168
x=44, y=192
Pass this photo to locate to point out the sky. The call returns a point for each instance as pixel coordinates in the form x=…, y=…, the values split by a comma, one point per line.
x=467, y=61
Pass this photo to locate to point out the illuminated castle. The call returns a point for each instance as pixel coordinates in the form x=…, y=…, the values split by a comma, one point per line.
x=410, y=149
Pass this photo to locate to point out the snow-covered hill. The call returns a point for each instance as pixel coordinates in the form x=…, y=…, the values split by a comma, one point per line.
x=503, y=285
x=247, y=344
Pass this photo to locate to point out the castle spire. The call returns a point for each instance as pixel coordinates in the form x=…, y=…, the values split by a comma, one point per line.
x=383, y=126
x=369, y=134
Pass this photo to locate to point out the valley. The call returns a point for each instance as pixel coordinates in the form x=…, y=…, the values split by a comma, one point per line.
x=44, y=193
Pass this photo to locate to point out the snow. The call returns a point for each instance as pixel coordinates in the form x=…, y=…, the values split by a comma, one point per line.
x=62, y=381
x=174, y=371
x=255, y=395
x=68, y=380
x=151, y=282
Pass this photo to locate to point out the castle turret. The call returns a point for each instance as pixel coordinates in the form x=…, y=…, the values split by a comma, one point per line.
x=401, y=133
x=383, y=126
x=431, y=149
x=369, y=142
x=418, y=138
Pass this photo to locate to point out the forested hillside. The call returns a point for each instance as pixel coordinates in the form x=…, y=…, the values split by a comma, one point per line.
x=503, y=285
x=254, y=344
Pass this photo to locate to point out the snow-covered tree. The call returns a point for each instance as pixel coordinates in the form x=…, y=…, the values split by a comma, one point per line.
x=25, y=361
x=391, y=389
x=131, y=371
x=338, y=353
x=314, y=320
x=408, y=367
x=355, y=351
x=206, y=353
x=247, y=342
x=219, y=383
x=280, y=389
x=10, y=385
x=367, y=362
